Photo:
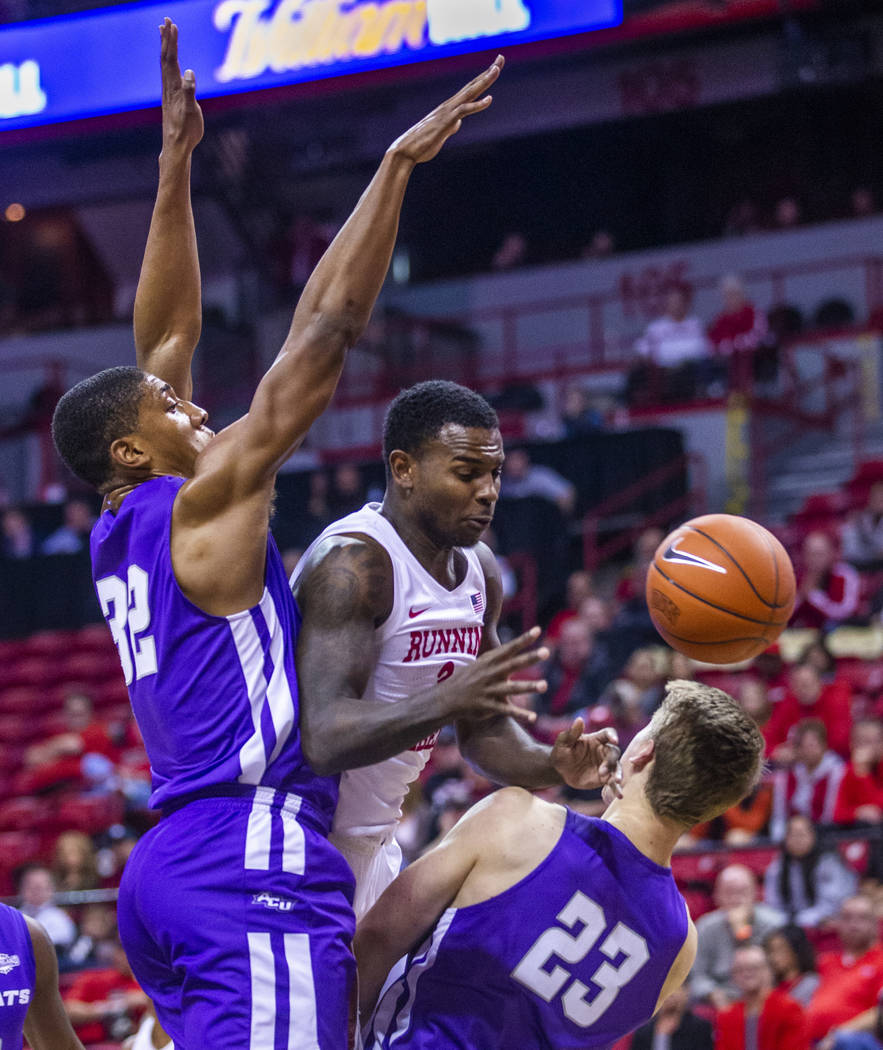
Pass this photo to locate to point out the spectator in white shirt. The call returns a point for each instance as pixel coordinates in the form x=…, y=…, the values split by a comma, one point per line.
x=36, y=888
x=677, y=336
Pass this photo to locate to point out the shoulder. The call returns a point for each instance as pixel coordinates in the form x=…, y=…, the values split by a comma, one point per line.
x=344, y=573
x=488, y=562
x=511, y=813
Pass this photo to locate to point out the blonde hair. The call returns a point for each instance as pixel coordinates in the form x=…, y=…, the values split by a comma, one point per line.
x=708, y=754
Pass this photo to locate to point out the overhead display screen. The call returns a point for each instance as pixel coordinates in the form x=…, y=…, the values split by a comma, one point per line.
x=105, y=61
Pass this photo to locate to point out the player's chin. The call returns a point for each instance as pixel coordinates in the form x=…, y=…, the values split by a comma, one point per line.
x=471, y=531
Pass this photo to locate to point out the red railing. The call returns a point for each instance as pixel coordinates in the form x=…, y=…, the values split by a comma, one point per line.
x=802, y=405
x=693, y=502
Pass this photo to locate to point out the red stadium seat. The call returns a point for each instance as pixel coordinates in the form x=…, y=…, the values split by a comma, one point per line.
x=856, y=853
x=758, y=860
x=690, y=868
x=26, y=814
x=112, y=693
x=30, y=671
x=95, y=637
x=18, y=729
x=24, y=700
x=89, y=813
x=51, y=645
x=89, y=667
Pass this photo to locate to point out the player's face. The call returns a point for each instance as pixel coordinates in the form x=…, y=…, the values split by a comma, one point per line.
x=174, y=429
x=456, y=484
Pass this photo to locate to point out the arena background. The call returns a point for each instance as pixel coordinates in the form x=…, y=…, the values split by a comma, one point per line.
x=691, y=149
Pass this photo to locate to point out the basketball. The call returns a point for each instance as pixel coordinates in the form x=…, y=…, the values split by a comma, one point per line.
x=720, y=588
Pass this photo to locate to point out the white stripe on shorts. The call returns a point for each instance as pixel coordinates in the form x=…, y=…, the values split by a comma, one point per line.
x=263, y=992
x=293, y=847
x=302, y=1029
x=258, y=835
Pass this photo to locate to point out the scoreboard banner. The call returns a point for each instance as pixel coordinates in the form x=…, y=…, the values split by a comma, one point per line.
x=105, y=61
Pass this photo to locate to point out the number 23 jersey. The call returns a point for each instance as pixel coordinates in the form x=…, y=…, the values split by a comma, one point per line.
x=572, y=957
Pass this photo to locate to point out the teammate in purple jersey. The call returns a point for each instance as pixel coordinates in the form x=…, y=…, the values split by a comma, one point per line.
x=535, y=927
x=29, y=999
x=235, y=911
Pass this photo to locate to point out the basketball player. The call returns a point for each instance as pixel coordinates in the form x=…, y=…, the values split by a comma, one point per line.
x=398, y=600
x=235, y=911
x=532, y=926
x=29, y=999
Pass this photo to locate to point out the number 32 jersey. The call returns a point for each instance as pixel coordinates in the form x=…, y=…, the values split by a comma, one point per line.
x=215, y=697
x=572, y=957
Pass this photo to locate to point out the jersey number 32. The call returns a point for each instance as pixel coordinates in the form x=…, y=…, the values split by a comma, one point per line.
x=124, y=606
x=534, y=973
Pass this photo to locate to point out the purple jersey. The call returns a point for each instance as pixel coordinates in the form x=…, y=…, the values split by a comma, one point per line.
x=17, y=973
x=215, y=697
x=572, y=957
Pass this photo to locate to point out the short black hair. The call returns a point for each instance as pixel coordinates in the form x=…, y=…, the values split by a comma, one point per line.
x=92, y=415
x=419, y=413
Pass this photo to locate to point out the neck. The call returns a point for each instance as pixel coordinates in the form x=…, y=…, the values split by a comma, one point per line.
x=438, y=561
x=654, y=837
x=754, y=1002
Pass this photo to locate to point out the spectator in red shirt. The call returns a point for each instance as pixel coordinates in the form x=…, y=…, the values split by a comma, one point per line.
x=808, y=697
x=579, y=587
x=764, y=1018
x=860, y=798
x=739, y=330
x=59, y=760
x=828, y=590
x=850, y=979
x=809, y=787
x=105, y=1005
x=576, y=674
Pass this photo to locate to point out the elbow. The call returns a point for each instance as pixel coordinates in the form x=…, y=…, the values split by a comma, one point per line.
x=319, y=754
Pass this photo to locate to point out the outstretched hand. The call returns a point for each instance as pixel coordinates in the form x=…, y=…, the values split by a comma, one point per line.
x=182, y=123
x=588, y=760
x=423, y=141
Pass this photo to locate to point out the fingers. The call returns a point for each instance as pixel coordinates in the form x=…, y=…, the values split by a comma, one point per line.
x=518, y=687
x=480, y=84
x=468, y=108
x=516, y=645
x=568, y=737
x=522, y=660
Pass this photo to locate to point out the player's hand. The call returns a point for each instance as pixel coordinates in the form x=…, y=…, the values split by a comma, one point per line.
x=588, y=760
x=182, y=123
x=423, y=141
x=482, y=689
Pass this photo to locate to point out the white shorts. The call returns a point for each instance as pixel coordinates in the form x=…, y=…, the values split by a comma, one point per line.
x=375, y=861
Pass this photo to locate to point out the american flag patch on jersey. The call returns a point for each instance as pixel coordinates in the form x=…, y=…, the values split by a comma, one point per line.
x=477, y=601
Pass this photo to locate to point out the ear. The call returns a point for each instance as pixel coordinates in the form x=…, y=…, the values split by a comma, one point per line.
x=129, y=452
x=644, y=755
x=401, y=468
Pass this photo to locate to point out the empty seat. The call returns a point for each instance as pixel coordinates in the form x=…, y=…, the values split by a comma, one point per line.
x=89, y=813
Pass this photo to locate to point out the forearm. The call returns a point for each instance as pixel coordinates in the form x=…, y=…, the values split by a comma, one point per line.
x=347, y=733
x=501, y=750
x=349, y=276
x=377, y=951
x=168, y=303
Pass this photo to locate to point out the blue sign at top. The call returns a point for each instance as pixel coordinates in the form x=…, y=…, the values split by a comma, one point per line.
x=106, y=61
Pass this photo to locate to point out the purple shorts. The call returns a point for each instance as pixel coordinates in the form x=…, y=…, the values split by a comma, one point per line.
x=236, y=915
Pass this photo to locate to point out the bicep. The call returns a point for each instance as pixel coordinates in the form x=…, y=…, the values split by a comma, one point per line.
x=170, y=362
x=341, y=595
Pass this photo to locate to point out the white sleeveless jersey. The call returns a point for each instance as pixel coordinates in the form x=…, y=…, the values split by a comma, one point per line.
x=429, y=633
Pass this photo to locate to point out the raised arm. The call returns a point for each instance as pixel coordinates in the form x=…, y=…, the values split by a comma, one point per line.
x=334, y=309
x=344, y=593
x=46, y=1025
x=504, y=752
x=168, y=304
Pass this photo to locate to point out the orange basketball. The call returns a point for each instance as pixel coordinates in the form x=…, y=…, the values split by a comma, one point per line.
x=720, y=588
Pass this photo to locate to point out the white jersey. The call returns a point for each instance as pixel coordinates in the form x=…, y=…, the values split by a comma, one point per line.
x=429, y=633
